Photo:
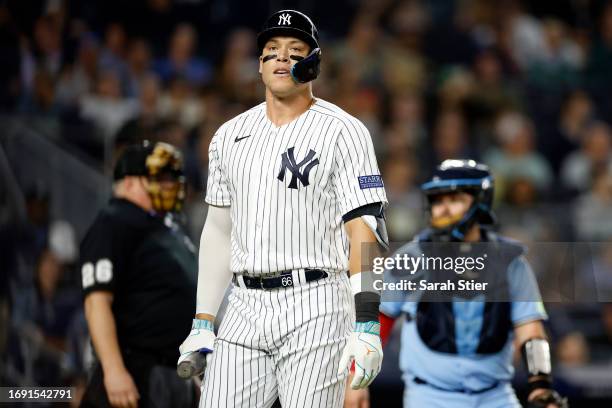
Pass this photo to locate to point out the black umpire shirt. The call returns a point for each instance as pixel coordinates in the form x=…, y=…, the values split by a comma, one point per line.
x=150, y=266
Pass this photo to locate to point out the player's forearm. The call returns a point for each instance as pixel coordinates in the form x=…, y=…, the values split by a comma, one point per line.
x=363, y=247
x=214, y=274
x=103, y=331
x=528, y=330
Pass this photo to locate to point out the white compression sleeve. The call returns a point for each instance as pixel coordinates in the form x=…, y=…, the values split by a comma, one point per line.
x=214, y=273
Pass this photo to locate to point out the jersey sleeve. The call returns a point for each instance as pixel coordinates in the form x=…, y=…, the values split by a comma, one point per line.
x=217, y=187
x=356, y=179
x=101, y=262
x=524, y=292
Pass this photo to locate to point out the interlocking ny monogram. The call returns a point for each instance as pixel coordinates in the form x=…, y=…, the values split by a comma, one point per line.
x=284, y=19
x=294, y=168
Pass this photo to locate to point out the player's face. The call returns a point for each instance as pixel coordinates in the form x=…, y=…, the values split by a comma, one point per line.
x=278, y=56
x=447, y=209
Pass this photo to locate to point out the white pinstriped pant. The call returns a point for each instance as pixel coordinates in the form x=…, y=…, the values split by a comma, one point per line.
x=285, y=342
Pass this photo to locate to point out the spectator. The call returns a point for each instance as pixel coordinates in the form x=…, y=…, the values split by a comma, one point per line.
x=456, y=85
x=516, y=156
x=556, y=66
x=112, y=54
x=599, y=62
x=405, y=202
x=521, y=206
x=404, y=65
x=181, y=104
x=149, y=116
x=592, y=215
x=492, y=92
x=450, y=138
x=42, y=99
x=363, y=51
x=524, y=33
x=107, y=108
x=181, y=60
x=596, y=150
x=138, y=65
x=238, y=73
x=77, y=80
x=45, y=312
x=577, y=111
x=47, y=45
x=406, y=127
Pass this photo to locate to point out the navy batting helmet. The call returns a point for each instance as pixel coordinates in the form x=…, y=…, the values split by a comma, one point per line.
x=463, y=176
x=292, y=23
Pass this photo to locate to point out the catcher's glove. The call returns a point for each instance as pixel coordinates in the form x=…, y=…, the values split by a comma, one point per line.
x=549, y=397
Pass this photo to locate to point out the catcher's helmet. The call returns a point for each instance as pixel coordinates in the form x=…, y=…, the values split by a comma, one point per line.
x=292, y=23
x=463, y=176
x=157, y=162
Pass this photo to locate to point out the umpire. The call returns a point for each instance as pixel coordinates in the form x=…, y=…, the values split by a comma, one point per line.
x=138, y=273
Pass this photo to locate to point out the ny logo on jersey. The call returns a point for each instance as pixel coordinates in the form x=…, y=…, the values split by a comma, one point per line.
x=284, y=19
x=290, y=163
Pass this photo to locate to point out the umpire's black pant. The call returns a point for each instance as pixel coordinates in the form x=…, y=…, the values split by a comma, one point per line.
x=158, y=384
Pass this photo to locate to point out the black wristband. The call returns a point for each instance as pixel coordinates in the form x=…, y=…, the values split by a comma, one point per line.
x=366, y=306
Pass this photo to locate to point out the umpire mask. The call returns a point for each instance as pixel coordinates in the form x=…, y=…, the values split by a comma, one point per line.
x=166, y=182
x=162, y=165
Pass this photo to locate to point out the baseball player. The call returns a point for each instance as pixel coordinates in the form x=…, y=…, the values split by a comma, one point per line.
x=294, y=192
x=457, y=346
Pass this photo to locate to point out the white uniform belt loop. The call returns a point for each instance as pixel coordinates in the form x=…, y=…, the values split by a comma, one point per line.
x=295, y=276
x=240, y=281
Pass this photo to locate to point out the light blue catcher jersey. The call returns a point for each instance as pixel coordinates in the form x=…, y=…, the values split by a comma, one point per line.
x=465, y=370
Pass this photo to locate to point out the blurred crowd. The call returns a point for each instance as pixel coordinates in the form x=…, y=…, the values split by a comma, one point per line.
x=522, y=86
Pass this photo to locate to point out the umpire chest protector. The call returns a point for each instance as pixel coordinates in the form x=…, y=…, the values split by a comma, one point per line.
x=437, y=320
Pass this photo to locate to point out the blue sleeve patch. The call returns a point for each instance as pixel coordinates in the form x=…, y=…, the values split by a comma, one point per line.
x=373, y=181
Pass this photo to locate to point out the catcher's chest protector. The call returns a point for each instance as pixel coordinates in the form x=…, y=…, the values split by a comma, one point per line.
x=468, y=322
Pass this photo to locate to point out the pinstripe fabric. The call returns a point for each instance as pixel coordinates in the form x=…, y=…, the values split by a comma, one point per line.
x=285, y=342
x=286, y=208
x=275, y=227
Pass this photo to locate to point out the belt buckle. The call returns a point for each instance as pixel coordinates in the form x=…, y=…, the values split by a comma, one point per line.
x=262, y=282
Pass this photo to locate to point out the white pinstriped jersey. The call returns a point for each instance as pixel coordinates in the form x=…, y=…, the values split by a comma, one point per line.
x=289, y=186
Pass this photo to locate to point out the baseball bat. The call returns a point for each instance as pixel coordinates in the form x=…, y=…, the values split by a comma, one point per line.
x=191, y=364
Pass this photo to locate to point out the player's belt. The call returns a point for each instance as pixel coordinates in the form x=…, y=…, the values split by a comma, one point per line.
x=283, y=279
x=461, y=390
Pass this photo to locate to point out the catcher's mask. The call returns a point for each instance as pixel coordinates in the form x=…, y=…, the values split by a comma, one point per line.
x=162, y=165
x=454, y=176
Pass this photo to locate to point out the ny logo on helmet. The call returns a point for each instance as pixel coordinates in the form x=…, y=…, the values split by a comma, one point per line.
x=284, y=19
x=290, y=163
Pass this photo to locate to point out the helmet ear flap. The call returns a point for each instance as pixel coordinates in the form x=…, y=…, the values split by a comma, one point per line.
x=307, y=69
